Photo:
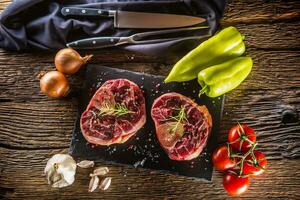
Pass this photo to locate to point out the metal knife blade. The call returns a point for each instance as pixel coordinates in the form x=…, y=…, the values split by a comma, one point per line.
x=125, y=19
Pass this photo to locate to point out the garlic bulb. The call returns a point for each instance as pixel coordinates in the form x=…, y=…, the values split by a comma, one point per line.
x=60, y=170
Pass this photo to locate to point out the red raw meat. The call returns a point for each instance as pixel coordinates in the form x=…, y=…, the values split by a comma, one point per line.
x=184, y=140
x=106, y=128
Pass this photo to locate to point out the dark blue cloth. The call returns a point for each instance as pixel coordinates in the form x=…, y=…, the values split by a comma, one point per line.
x=38, y=24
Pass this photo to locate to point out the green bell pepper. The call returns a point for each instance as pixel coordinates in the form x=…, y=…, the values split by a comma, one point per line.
x=219, y=79
x=225, y=45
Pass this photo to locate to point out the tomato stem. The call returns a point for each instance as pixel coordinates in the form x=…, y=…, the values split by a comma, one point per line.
x=242, y=137
x=245, y=156
x=237, y=156
x=247, y=140
x=260, y=167
x=229, y=153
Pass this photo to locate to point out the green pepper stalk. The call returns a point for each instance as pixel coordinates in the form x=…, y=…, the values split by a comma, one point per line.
x=224, y=46
x=219, y=79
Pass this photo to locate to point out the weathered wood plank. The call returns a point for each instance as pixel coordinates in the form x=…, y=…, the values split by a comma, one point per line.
x=39, y=125
x=277, y=36
x=18, y=82
x=262, y=101
x=27, y=169
x=40, y=58
x=29, y=183
x=4, y=4
x=262, y=11
x=268, y=100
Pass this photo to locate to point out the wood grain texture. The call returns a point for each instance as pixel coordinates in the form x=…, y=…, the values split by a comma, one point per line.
x=261, y=11
x=4, y=4
x=134, y=183
x=34, y=127
x=26, y=123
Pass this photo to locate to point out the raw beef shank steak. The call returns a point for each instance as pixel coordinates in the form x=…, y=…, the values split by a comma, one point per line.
x=115, y=113
x=182, y=126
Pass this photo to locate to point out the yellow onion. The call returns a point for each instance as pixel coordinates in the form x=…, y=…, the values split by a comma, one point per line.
x=54, y=84
x=69, y=61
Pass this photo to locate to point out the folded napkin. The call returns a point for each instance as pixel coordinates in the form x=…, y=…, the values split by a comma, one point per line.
x=39, y=24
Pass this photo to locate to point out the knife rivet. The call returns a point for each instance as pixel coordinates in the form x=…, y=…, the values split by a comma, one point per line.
x=99, y=11
x=67, y=10
x=83, y=11
x=112, y=40
x=94, y=42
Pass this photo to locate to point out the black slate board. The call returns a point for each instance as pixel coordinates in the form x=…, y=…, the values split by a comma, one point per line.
x=143, y=149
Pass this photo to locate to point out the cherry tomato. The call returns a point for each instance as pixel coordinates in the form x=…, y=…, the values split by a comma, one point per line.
x=221, y=158
x=235, y=185
x=256, y=166
x=238, y=136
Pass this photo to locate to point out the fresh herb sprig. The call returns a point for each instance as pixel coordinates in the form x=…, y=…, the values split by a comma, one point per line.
x=117, y=110
x=179, y=118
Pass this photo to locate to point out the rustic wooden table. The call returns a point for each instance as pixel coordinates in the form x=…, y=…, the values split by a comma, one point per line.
x=34, y=127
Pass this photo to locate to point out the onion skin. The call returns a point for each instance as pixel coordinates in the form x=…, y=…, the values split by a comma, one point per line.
x=68, y=61
x=54, y=84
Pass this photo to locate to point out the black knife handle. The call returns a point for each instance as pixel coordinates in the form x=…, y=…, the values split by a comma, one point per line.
x=90, y=12
x=95, y=43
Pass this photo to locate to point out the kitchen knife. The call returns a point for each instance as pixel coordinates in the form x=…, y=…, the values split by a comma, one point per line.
x=125, y=19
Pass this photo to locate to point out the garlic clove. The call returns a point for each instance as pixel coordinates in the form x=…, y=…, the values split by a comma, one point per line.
x=60, y=170
x=100, y=171
x=86, y=164
x=105, y=183
x=94, y=182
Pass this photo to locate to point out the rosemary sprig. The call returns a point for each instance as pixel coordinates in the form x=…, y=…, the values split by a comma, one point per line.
x=179, y=118
x=117, y=110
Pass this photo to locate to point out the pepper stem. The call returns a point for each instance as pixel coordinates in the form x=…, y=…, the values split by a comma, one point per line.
x=203, y=90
